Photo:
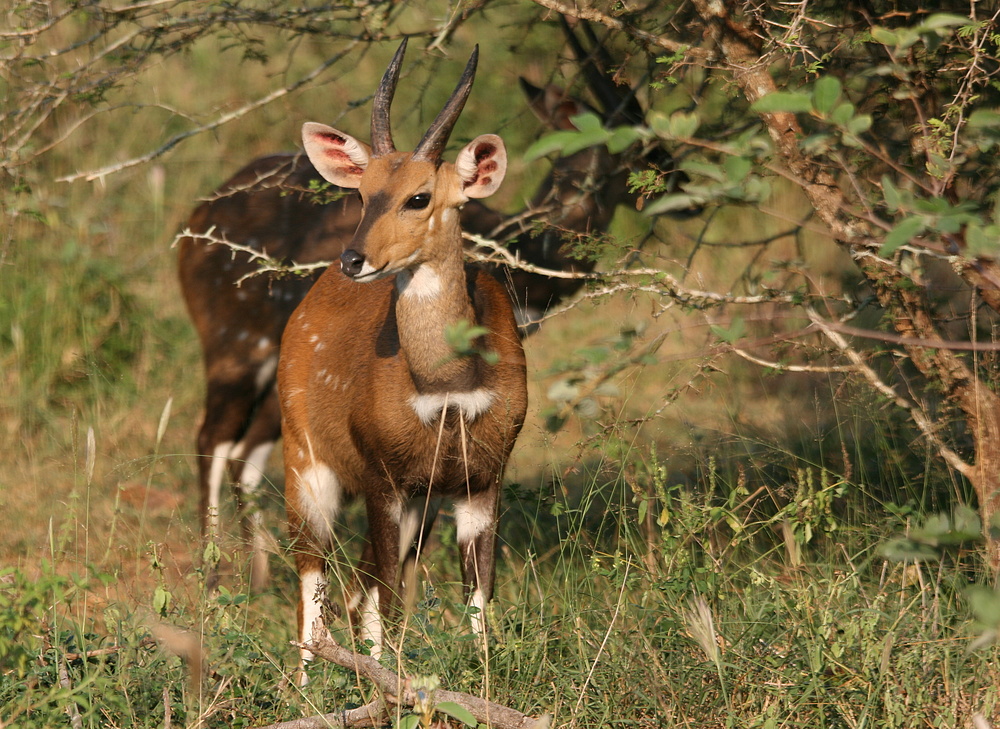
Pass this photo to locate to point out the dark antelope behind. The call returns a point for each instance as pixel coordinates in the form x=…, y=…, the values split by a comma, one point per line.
x=374, y=400
x=267, y=206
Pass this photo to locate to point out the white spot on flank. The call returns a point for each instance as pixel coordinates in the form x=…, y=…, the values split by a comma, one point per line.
x=423, y=283
x=319, y=346
x=472, y=404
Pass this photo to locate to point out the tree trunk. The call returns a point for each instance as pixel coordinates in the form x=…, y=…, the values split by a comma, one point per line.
x=902, y=298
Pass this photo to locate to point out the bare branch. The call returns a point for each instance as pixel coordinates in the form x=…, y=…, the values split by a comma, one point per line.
x=916, y=413
x=575, y=11
x=396, y=690
x=224, y=119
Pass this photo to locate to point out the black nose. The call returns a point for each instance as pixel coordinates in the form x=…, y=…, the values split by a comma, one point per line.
x=351, y=262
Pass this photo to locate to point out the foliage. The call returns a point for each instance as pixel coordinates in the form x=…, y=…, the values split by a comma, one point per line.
x=707, y=548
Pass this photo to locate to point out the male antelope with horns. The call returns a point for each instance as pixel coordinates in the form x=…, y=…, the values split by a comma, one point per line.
x=374, y=400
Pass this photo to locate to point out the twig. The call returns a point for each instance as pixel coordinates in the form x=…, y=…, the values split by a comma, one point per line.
x=367, y=715
x=919, y=417
x=236, y=114
x=575, y=11
x=397, y=691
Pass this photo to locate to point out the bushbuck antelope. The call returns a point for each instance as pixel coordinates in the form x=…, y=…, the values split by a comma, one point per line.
x=267, y=206
x=375, y=402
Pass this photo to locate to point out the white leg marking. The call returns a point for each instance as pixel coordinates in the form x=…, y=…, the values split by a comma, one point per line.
x=371, y=623
x=313, y=587
x=319, y=499
x=478, y=619
x=408, y=526
x=265, y=373
x=252, y=472
x=472, y=519
x=220, y=456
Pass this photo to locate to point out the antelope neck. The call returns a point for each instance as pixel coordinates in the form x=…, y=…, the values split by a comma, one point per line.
x=431, y=298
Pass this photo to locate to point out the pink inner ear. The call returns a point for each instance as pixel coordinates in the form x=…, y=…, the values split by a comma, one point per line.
x=335, y=153
x=339, y=159
x=483, y=152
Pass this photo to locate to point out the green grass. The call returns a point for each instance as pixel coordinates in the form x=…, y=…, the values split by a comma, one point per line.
x=767, y=497
x=595, y=622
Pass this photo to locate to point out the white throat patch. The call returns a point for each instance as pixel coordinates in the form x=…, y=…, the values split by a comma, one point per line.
x=422, y=283
x=472, y=404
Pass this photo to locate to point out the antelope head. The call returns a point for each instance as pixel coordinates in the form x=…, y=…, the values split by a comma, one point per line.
x=410, y=200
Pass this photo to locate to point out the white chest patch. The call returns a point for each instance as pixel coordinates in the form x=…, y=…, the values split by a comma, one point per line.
x=472, y=404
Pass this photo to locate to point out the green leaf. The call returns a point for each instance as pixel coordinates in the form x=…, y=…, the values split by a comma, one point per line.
x=982, y=240
x=985, y=604
x=891, y=194
x=659, y=123
x=792, y=101
x=902, y=233
x=901, y=549
x=859, y=124
x=673, y=203
x=622, y=138
x=826, y=94
x=843, y=114
x=705, y=169
x=457, y=711
x=548, y=144
x=589, y=138
x=885, y=36
x=161, y=601
x=737, y=168
x=588, y=122
x=984, y=118
x=211, y=555
x=683, y=125
x=410, y=721
x=733, y=334
x=942, y=20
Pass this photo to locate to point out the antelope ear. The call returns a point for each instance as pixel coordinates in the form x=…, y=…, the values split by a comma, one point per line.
x=339, y=157
x=481, y=165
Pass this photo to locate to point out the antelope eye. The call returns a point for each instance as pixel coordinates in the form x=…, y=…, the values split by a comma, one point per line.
x=419, y=201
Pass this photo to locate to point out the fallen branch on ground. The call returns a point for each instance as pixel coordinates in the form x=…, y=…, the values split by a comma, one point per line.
x=396, y=691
